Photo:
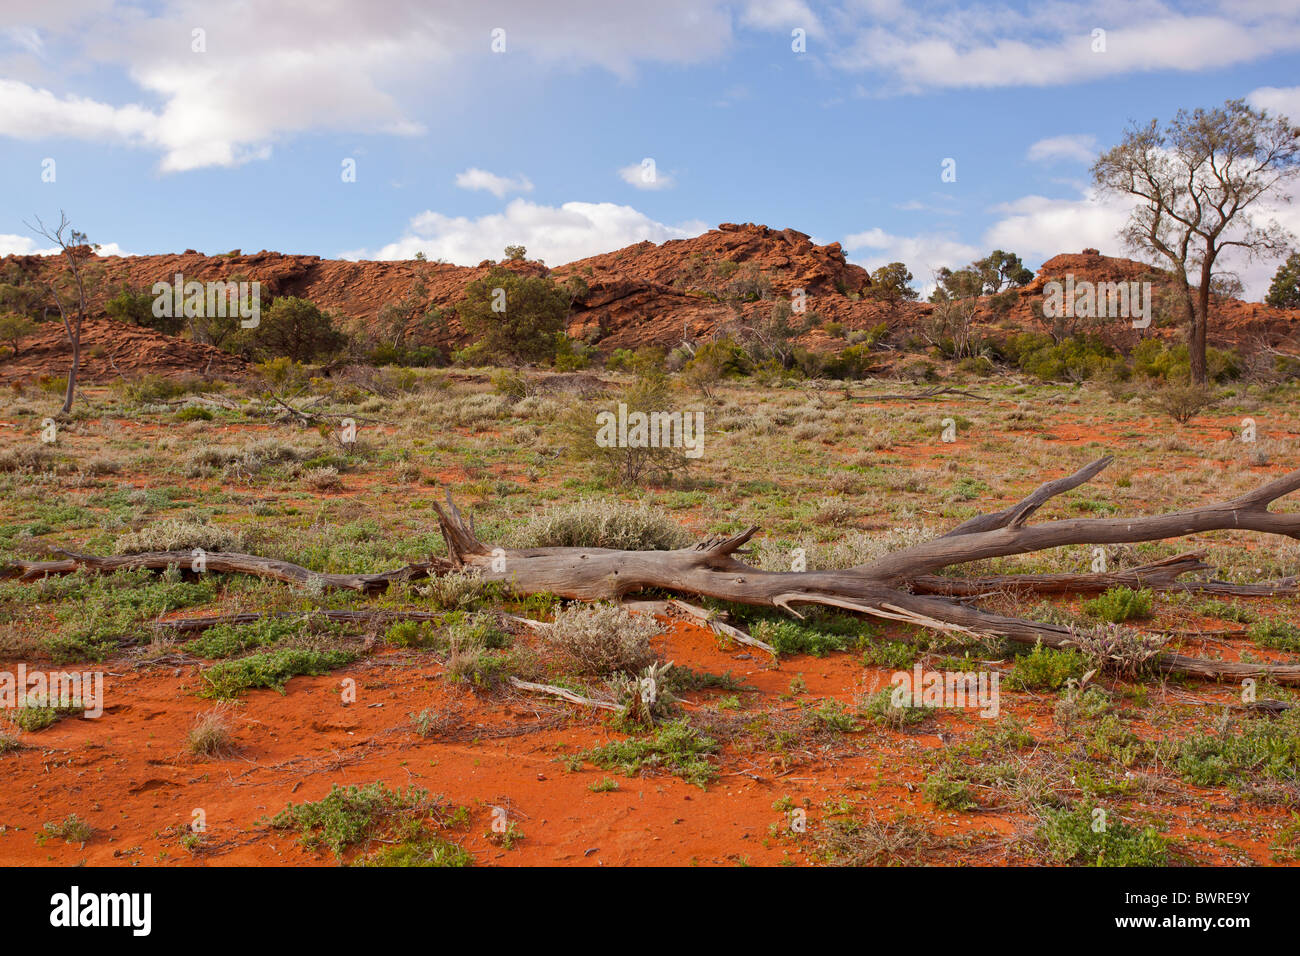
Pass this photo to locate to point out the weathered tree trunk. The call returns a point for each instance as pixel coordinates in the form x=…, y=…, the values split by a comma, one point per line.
x=1197, y=341
x=886, y=588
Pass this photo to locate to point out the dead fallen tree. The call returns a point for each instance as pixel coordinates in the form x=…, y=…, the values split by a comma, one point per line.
x=1161, y=575
x=900, y=586
x=221, y=562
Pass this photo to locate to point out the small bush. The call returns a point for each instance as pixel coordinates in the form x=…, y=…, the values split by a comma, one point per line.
x=210, y=736
x=676, y=747
x=603, y=639
x=1182, y=402
x=1046, y=668
x=227, y=640
x=1071, y=836
x=603, y=524
x=1280, y=635
x=349, y=816
x=412, y=634
x=458, y=589
x=178, y=534
x=72, y=829
x=229, y=679
x=1259, y=749
x=948, y=793
x=34, y=458
x=1118, y=605
x=880, y=708
x=817, y=636
x=325, y=478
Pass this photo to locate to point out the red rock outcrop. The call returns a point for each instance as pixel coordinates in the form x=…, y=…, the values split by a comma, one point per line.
x=644, y=293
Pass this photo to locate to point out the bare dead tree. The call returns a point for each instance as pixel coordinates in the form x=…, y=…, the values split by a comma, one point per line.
x=77, y=252
x=1198, y=183
x=900, y=586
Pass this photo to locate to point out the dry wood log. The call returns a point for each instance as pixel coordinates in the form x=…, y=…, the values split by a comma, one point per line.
x=1158, y=575
x=564, y=694
x=221, y=562
x=883, y=588
x=191, y=624
x=919, y=396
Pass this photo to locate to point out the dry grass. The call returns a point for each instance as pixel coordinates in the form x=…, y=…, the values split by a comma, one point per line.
x=211, y=735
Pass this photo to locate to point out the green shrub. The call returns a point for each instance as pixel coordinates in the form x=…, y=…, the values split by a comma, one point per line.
x=619, y=360
x=406, y=356
x=1278, y=634
x=71, y=830
x=1259, y=749
x=151, y=389
x=293, y=328
x=948, y=793
x=572, y=355
x=227, y=640
x=229, y=679
x=880, y=708
x=412, y=634
x=1072, y=836
x=1074, y=359
x=478, y=629
x=1117, y=605
x=589, y=429
x=1046, y=668
x=531, y=310
x=349, y=816
x=136, y=308
x=815, y=636
x=893, y=654
x=676, y=747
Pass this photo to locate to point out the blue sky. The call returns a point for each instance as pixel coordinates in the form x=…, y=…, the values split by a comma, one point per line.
x=161, y=142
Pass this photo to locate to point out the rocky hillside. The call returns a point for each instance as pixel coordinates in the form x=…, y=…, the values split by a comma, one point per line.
x=645, y=293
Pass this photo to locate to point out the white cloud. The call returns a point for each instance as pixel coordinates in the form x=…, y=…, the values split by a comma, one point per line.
x=646, y=175
x=313, y=66
x=475, y=178
x=781, y=15
x=1284, y=100
x=25, y=37
x=995, y=45
x=554, y=234
x=12, y=245
x=29, y=113
x=1037, y=228
x=923, y=254
x=1075, y=147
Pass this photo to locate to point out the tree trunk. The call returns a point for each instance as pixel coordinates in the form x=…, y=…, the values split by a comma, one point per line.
x=1196, y=344
x=886, y=588
x=74, y=336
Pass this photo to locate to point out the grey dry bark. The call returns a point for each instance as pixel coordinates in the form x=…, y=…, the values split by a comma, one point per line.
x=891, y=587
